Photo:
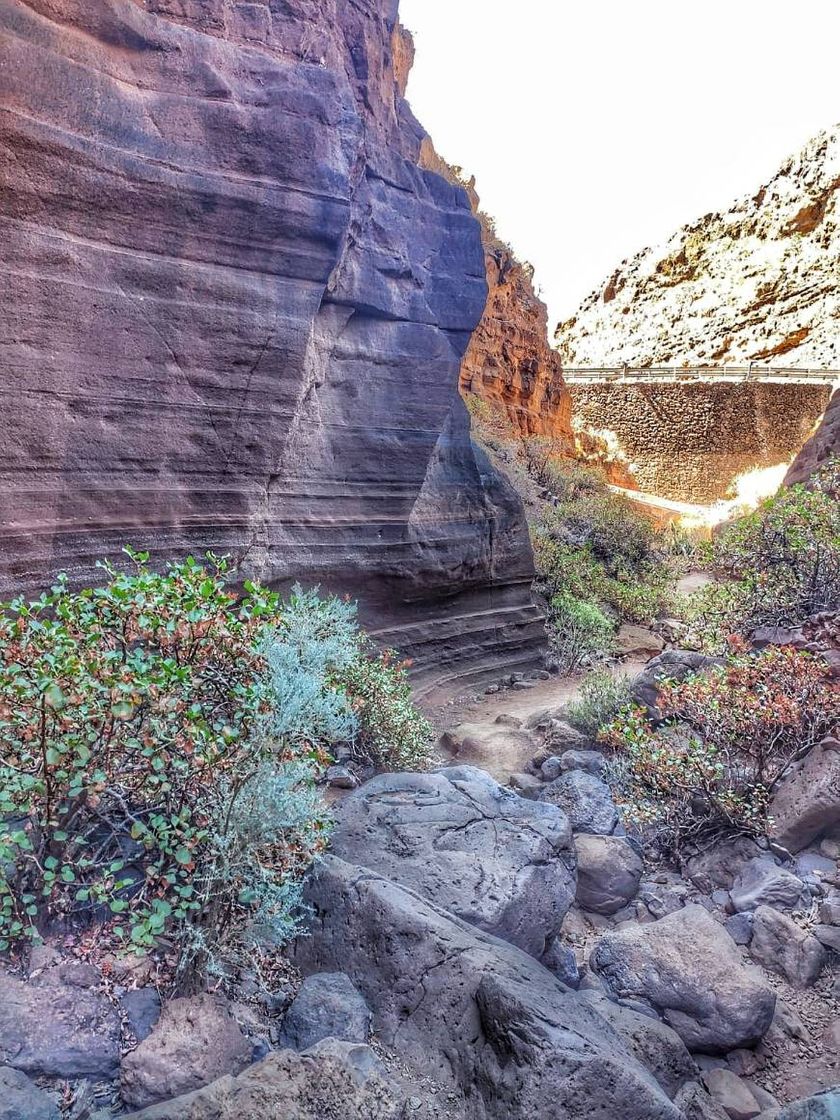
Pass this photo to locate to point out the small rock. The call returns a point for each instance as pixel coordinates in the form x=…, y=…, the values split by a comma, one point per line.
x=739, y=928
x=505, y=720
x=831, y=1036
x=828, y=936
x=492, y=689
x=830, y=910
x=766, y=1100
x=560, y=959
x=195, y=1041
x=552, y=768
x=328, y=1005
x=830, y=849
x=593, y=762
x=782, y=946
x=730, y=1092
x=539, y=675
x=342, y=777
x=807, y=802
x=823, y=1106
x=142, y=1008
x=526, y=785
x=744, y=1063
x=638, y=641
x=694, y=1103
x=586, y=799
x=522, y=686
x=762, y=883
x=608, y=873
x=21, y=1099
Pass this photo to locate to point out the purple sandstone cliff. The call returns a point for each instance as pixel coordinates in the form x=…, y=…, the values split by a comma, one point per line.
x=233, y=314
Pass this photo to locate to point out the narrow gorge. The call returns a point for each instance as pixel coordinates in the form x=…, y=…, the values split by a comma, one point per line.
x=368, y=751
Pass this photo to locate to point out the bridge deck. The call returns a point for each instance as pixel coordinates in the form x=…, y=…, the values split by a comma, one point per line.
x=622, y=374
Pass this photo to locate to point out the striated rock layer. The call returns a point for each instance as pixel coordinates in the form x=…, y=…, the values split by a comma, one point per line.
x=509, y=363
x=234, y=309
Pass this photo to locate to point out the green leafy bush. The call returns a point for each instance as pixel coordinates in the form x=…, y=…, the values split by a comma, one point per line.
x=779, y=565
x=602, y=696
x=390, y=732
x=161, y=738
x=730, y=737
x=578, y=632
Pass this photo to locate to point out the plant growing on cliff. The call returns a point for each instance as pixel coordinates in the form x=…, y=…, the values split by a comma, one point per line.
x=730, y=736
x=780, y=564
x=138, y=720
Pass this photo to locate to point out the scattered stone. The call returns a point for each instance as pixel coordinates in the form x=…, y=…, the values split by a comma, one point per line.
x=499, y=750
x=782, y=946
x=687, y=967
x=731, y=1093
x=744, y=1063
x=332, y=1080
x=552, y=768
x=522, y=686
x=526, y=785
x=813, y=866
x=828, y=936
x=765, y=1100
x=586, y=799
x=807, y=802
x=638, y=641
x=58, y=1025
x=456, y=837
x=459, y=1001
x=674, y=664
x=695, y=1103
x=195, y=1041
x=762, y=883
x=830, y=849
x=823, y=1106
x=21, y=1099
x=739, y=927
x=560, y=960
x=505, y=720
x=591, y=761
x=830, y=910
x=563, y=737
x=720, y=865
x=341, y=777
x=608, y=873
x=327, y=1006
x=142, y=1009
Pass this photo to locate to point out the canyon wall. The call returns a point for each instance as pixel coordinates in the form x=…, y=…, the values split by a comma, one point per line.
x=688, y=442
x=821, y=447
x=509, y=363
x=755, y=283
x=234, y=311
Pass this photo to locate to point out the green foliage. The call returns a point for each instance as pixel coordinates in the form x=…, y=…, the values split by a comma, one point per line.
x=602, y=697
x=390, y=733
x=780, y=564
x=730, y=737
x=592, y=545
x=161, y=738
x=578, y=632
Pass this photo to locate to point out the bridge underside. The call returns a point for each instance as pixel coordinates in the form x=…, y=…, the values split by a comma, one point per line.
x=689, y=441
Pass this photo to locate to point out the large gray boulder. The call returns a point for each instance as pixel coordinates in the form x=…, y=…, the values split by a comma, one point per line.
x=21, y=1099
x=762, y=883
x=331, y=1081
x=472, y=1010
x=497, y=860
x=195, y=1041
x=609, y=871
x=784, y=947
x=673, y=664
x=57, y=1024
x=327, y=1006
x=690, y=971
x=586, y=799
x=806, y=804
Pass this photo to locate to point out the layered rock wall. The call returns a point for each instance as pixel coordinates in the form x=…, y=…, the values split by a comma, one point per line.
x=234, y=310
x=689, y=442
x=509, y=363
x=820, y=448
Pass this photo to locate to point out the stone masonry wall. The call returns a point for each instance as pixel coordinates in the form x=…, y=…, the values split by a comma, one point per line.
x=689, y=442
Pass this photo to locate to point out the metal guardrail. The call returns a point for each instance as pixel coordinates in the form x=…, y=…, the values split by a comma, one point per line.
x=586, y=374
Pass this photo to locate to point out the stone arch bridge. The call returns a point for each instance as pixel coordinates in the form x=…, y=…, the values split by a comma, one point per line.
x=688, y=433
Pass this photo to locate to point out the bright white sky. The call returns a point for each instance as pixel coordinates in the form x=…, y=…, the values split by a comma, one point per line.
x=597, y=127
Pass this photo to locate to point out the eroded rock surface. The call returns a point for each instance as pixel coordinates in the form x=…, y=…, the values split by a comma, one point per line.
x=235, y=309
x=473, y=1010
x=501, y=862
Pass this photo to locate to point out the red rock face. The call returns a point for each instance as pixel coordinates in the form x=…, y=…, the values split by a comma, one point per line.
x=234, y=310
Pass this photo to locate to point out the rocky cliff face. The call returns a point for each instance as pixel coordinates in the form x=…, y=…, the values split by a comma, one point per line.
x=757, y=283
x=235, y=309
x=509, y=362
